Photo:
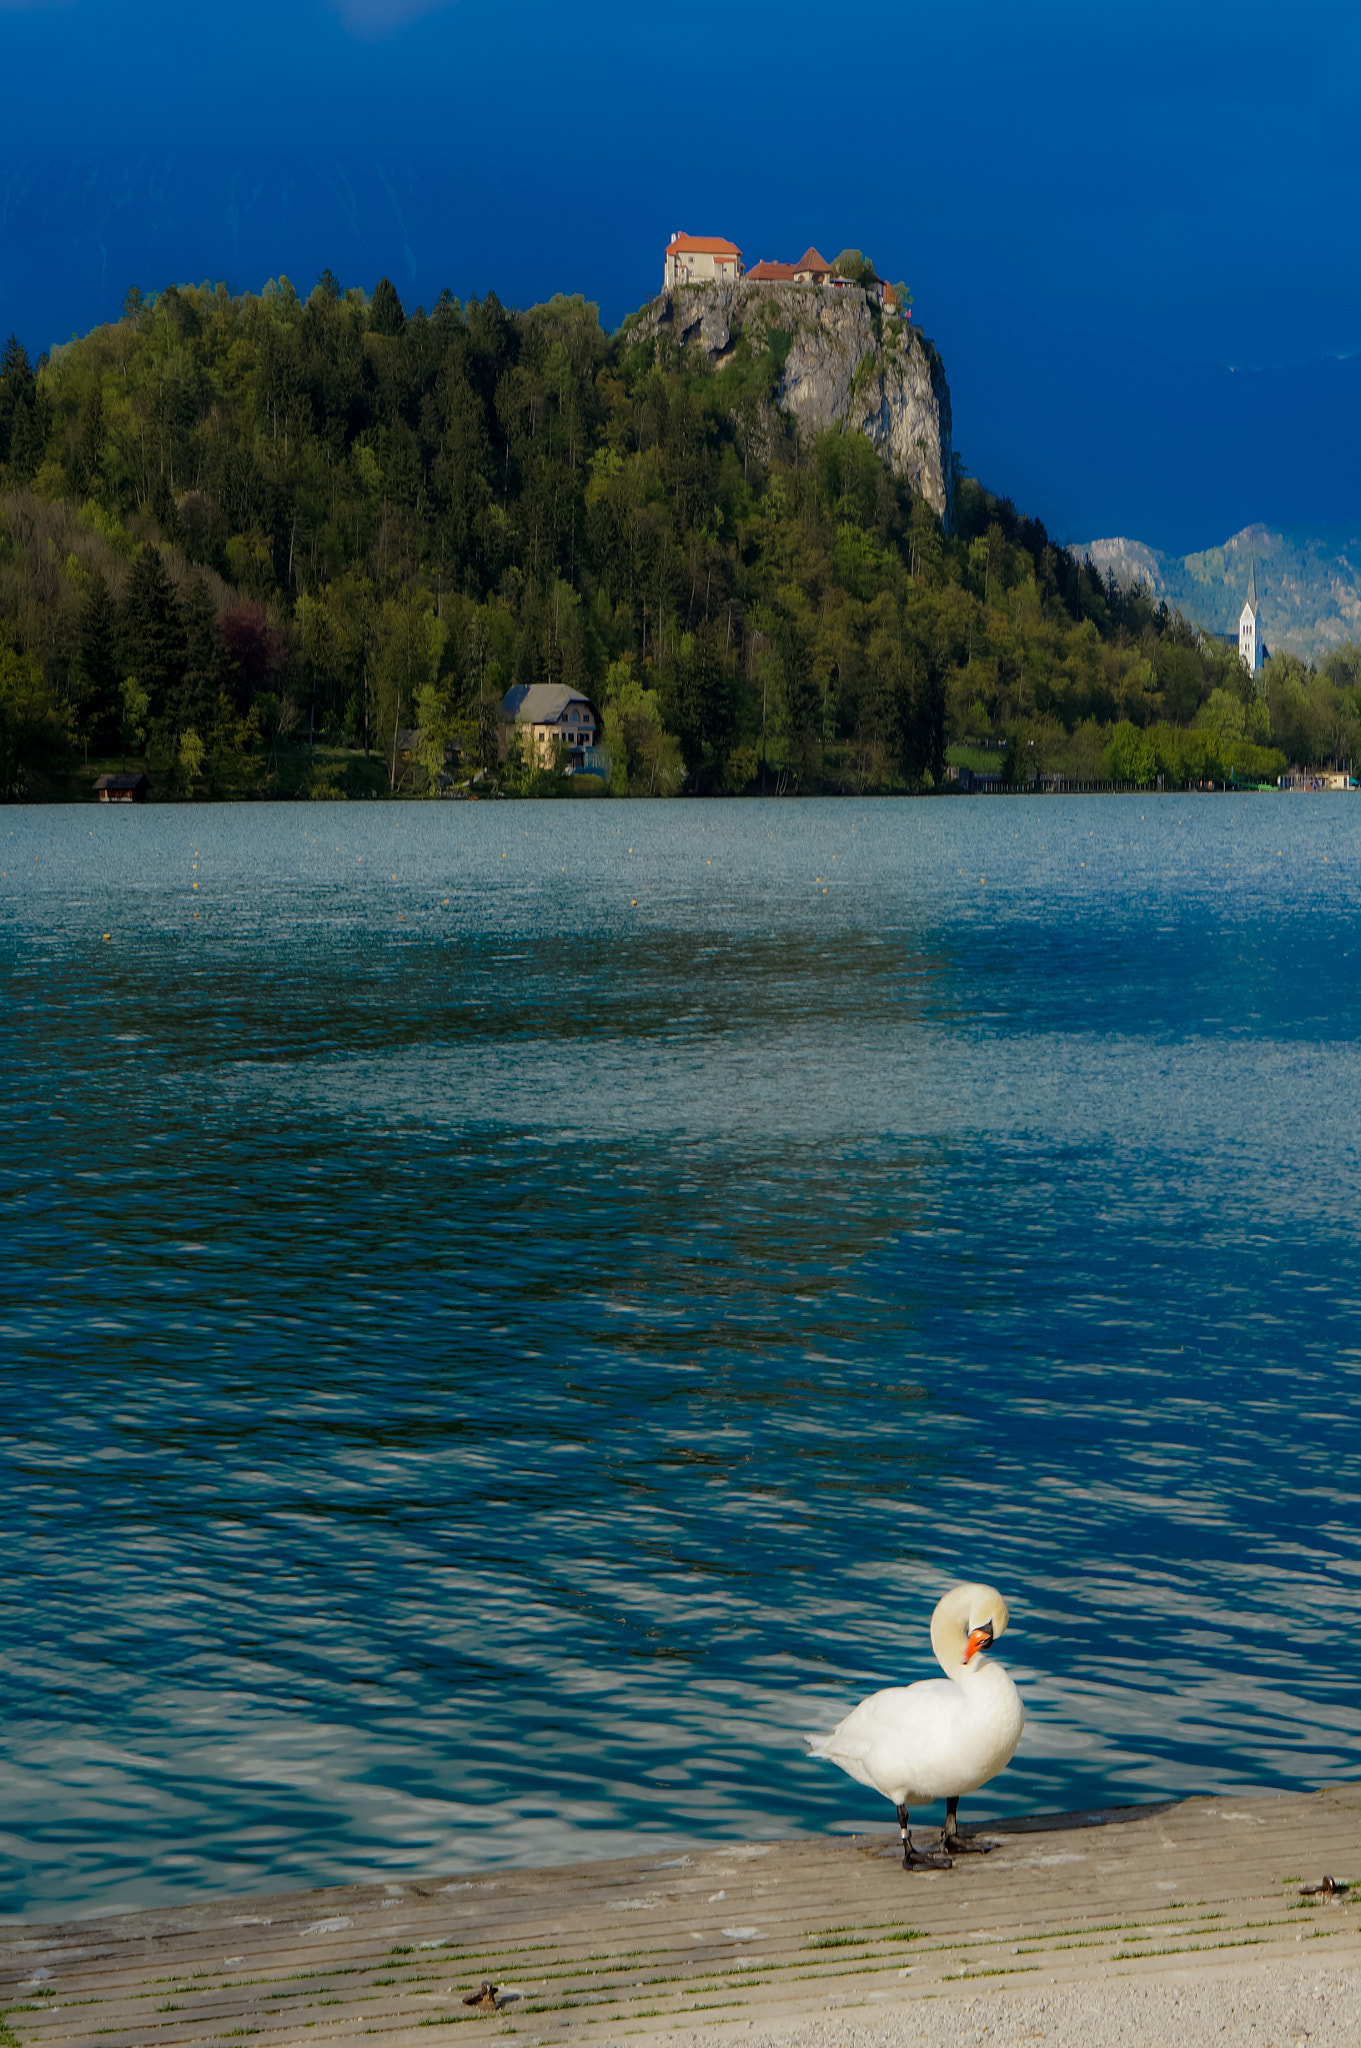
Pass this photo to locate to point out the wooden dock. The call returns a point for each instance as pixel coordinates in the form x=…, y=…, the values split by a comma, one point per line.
x=753, y=1933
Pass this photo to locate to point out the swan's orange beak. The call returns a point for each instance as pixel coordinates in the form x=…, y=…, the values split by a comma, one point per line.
x=979, y=1640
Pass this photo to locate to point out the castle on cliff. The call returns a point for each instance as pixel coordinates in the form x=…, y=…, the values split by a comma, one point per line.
x=710, y=259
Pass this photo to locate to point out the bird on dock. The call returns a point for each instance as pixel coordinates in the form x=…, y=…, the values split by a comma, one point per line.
x=941, y=1737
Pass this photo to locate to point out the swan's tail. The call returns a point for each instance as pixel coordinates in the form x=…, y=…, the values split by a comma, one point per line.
x=817, y=1744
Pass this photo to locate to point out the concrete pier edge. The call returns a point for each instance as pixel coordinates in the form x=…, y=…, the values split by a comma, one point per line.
x=1130, y=1924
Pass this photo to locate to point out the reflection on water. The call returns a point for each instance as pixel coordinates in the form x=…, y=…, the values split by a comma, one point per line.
x=512, y=1313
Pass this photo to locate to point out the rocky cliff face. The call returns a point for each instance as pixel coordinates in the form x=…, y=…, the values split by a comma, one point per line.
x=846, y=365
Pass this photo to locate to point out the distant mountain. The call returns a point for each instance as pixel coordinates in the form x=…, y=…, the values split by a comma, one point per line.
x=1308, y=582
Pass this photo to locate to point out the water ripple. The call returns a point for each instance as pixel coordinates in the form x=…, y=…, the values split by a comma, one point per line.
x=477, y=1390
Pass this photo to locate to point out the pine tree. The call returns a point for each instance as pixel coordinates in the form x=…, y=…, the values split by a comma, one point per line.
x=18, y=397
x=152, y=633
x=205, y=669
x=385, y=314
x=101, y=705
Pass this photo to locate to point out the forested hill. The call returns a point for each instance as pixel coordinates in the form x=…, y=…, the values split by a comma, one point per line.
x=248, y=540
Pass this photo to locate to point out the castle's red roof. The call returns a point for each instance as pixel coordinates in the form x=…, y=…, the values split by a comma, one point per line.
x=810, y=260
x=771, y=273
x=711, y=245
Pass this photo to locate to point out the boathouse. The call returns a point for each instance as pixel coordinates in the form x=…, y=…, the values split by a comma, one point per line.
x=123, y=789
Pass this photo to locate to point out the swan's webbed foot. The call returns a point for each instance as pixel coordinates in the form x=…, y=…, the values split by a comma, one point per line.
x=918, y=1859
x=953, y=1843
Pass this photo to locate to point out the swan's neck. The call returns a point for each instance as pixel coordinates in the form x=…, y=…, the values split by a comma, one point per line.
x=948, y=1641
x=978, y=1673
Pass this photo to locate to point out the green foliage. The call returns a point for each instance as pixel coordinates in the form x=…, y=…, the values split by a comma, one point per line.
x=386, y=315
x=855, y=267
x=645, y=759
x=24, y=413
x=33, y=730
x=192, y=754
x=252, y=541
x=1132, y=755
x=98, y=685
x=1226, y=714
x=1184, y=759
x=136, y=707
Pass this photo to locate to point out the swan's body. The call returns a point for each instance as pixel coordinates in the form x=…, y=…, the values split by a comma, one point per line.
x=933, y=1740
x=943, y=1736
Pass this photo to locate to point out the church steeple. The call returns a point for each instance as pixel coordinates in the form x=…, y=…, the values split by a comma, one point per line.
x=1251, y=648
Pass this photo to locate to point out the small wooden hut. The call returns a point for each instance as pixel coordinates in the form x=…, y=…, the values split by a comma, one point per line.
x=123, y=789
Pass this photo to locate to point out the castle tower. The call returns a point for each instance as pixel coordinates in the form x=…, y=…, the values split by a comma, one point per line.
x=1251, y=647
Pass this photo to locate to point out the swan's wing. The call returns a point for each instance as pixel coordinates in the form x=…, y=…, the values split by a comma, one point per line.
x=899, y=1710
x=900, y=1714
x=913, y=1743
x=853, y=1764
x=849, y=1744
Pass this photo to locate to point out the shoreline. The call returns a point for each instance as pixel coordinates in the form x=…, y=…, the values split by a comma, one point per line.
x=1070, y=1929
x=68, y=796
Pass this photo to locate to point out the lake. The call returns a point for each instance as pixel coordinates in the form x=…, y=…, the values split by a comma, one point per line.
x=512, y=1313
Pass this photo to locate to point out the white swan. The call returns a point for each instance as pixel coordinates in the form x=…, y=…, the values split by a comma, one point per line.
x=940, y=1737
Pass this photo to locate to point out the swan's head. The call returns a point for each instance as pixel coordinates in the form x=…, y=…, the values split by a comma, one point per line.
x=966, y=1623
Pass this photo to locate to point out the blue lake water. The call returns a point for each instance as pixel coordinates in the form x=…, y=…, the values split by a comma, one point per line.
x=512, y=1313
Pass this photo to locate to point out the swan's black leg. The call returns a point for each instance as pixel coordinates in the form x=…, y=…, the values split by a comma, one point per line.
x=953, y=1841
x=917, y=1859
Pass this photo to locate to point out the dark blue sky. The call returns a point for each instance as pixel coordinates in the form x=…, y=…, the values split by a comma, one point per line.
x=1133, y=235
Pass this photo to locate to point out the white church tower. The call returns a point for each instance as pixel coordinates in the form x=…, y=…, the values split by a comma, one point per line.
x=1251, y=646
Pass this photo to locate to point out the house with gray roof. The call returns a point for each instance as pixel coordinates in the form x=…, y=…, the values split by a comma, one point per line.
x=561, y=725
